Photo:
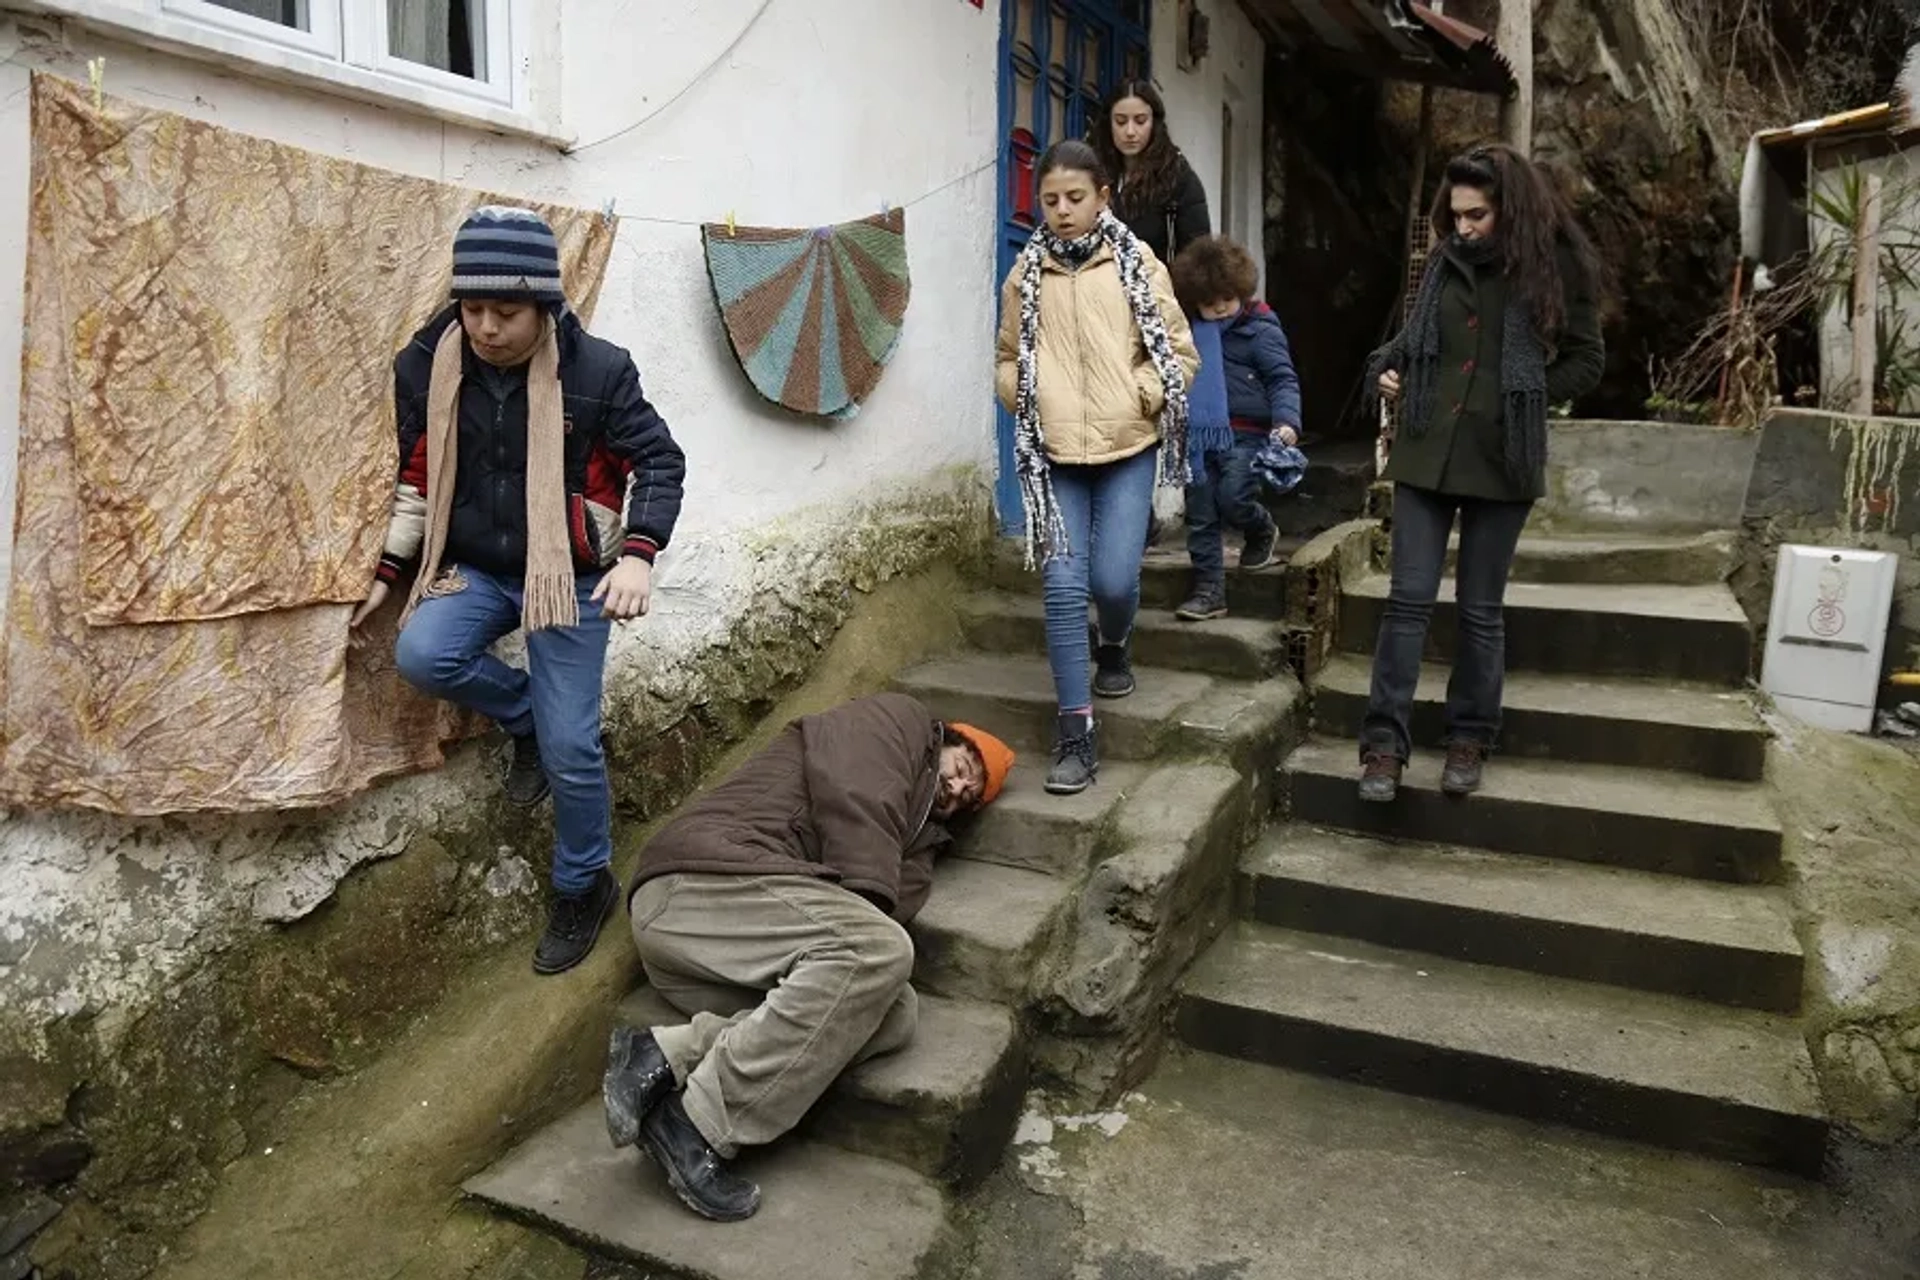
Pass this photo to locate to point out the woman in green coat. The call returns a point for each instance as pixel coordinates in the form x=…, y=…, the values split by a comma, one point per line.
x=1506, y=323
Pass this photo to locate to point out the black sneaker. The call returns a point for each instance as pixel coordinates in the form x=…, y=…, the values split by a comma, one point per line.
x=695, y=1170
x=526, y=778
x=1465, y=768
x=1076, y=762
x=573, y=924
x=1258, y=552
x=1112, y=669
x=637, y=1077
x=1380, y=777
x=1205, y=604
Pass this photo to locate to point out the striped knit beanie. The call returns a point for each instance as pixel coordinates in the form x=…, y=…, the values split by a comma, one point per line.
x=503, y=253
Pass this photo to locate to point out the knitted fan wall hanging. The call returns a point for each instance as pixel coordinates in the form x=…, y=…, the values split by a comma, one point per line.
x=813, y=315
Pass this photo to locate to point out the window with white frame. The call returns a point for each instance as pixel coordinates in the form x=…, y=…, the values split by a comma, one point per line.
x=463, y=46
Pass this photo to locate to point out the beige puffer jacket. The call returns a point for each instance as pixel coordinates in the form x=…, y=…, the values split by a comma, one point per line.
x=1100, y=398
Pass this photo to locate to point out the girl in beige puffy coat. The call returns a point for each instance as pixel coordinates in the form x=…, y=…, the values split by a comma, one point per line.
x=1095, y=358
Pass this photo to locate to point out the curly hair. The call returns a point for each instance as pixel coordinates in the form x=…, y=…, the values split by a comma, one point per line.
x=1151, y=185
x=1213, y=269
x=1535, y=226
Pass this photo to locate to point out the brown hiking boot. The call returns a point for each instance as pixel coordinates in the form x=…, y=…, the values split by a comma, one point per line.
x=1466, y=762
x=1380, y=777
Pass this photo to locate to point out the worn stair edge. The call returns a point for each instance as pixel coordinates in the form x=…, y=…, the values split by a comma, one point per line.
x=1055, y=835
x=1235, y=647
x=1693, y=633
x=1709, y=730
x=1012, y=695
x=989, y=932
x=1680, y=560
x=1731, y=1083
x=1671, y=823
x=825, y=1213
x=945, y=1105
x=1731, y=945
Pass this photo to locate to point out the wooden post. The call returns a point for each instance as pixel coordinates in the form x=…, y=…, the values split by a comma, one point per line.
x=1866, y=296
x=1515, y=38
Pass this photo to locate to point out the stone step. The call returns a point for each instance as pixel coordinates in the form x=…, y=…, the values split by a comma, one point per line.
x=1239, y=648
x=825, y=1213
x=1056, y=835
x=1730, y=944
x=1684, y=560
x=1705, y=729
x=944, y=1106
x=1693, y=633
x=1672, y=823
x=1730, y=1082
x=989, y=932
x=1166, y=579
x=1172, y=712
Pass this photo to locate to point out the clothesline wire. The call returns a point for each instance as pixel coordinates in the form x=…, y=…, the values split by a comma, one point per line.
x=948, y=185
x=698, y=77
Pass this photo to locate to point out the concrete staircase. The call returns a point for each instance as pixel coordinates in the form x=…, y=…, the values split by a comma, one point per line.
x=1052, y=943
x=1599, y=937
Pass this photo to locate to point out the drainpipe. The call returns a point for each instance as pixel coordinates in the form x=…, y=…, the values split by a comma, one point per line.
x=1515, y=38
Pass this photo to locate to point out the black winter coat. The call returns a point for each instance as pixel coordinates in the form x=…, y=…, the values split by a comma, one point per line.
x=613, y=435
x=1176, y=224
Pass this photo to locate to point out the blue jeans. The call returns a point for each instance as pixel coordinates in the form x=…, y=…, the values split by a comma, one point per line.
x=443, y=653
x=1489, y=537
x=1105, y=508
x=1227, y=497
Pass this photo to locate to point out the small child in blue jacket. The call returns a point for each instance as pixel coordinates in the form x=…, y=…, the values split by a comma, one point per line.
x=1215, y=280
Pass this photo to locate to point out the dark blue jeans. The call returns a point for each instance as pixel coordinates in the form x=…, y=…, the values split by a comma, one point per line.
x=1106, y=509
x=1227, y=498
x=444, y=653
x=1489, y=536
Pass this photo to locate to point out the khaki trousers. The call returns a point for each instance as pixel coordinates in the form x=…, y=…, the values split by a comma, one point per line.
x=788, y=979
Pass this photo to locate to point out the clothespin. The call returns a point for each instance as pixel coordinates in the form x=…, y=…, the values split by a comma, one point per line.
x=96, y=75
x=730, y=225
x=886, y=208
x=607, y=210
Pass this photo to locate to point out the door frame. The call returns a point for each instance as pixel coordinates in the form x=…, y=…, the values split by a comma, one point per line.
x=1126, y=48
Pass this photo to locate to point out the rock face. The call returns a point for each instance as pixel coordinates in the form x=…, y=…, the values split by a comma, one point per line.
x=1628, y=113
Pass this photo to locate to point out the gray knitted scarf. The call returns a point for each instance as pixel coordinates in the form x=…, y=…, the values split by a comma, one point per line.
x=1415, y=352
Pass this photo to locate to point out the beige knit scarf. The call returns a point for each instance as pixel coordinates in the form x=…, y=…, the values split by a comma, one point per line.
x=550, y=599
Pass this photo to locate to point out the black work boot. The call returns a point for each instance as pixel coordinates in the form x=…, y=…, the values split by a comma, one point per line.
x=526, y=779
x=637, y=1077
x=1208, y=601
x=1380, y=777
x=1075, y=761
x=1466, y=765
x=1258, y=551
x=573, y=924
x=1112, y=670
x=695, y=1170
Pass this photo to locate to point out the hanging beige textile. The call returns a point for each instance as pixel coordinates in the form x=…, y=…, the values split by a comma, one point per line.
x=206, y=461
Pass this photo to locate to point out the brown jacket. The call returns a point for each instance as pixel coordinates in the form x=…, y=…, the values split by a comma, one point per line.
x=1100, y=396
x=846, y=795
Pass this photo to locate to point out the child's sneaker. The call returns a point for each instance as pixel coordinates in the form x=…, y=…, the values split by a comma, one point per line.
x=1258, y=553
x=1205, y=604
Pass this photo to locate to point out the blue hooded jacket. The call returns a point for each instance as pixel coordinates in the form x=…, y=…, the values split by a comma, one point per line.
x=1263, y=391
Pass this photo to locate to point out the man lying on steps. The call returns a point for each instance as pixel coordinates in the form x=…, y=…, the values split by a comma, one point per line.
x=770, y=911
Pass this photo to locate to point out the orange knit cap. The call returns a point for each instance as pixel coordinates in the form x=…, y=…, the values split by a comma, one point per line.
x=994, y=754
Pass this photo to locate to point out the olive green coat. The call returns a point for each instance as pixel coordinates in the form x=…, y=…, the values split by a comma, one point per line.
x=1463, y=451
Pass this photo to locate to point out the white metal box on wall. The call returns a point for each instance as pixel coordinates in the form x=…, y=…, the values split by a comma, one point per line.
x=1828, y=634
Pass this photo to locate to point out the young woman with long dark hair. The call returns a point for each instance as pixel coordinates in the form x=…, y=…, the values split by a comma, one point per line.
x=1506, y=325
x=1095, y=358
x=1158, y=195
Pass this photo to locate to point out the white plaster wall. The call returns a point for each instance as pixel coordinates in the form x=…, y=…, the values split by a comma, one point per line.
x=822, y=113
x=1233, y=72
x=1900, y=218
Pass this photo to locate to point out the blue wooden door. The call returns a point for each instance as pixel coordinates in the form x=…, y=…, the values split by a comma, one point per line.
x=1058, y=61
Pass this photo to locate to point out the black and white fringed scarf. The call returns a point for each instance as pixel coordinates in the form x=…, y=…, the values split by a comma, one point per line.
x=1415, y=352
x=1046, y=531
